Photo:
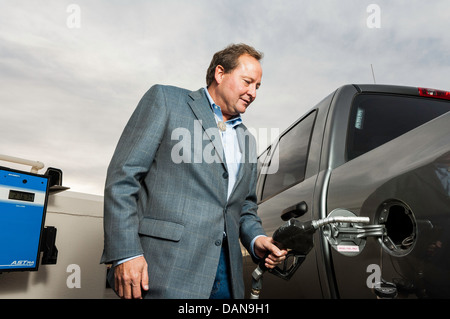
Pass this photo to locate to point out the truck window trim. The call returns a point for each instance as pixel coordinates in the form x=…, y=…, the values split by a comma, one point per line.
x=274, y=146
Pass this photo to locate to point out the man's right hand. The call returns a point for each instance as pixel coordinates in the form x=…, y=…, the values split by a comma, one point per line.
x=130, y=277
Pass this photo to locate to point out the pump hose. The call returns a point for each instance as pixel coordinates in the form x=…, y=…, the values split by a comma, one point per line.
x=339, y=219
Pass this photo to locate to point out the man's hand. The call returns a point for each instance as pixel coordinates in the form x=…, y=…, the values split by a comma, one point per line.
x=130, y=277
x=263, y=245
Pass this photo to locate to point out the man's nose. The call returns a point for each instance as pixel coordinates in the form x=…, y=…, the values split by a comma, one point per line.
x=252, y=92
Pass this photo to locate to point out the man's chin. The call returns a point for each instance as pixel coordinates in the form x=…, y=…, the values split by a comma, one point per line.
x=241, y=109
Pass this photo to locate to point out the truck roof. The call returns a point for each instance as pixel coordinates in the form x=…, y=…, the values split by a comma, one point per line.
x=397, y=89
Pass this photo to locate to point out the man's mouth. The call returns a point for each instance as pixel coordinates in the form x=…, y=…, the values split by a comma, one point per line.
x=247, y=102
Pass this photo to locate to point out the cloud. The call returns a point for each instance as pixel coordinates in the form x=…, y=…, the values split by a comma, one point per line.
x=67, y=92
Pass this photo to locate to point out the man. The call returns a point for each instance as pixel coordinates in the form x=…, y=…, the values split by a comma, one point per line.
x=180, y=188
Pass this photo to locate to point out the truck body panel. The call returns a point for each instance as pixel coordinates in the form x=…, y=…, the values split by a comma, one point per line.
x=376, y=151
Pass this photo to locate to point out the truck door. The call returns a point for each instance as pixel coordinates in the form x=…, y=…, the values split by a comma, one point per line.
x=391, y=176
x=287, y=186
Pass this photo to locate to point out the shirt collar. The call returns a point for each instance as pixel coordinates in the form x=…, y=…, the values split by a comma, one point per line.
x=216, y=109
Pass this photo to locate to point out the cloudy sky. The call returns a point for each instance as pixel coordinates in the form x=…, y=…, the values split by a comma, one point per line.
x=72, y=72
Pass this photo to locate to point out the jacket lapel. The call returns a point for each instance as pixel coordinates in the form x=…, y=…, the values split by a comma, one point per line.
x=202, y=111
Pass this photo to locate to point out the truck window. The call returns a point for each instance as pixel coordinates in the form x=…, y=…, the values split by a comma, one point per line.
x=287, y=164
x=376, y=119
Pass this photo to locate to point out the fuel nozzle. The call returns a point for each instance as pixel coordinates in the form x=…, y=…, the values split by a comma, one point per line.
x=297, y=238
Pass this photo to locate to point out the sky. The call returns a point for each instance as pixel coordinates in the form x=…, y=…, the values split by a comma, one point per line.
x=72, y=72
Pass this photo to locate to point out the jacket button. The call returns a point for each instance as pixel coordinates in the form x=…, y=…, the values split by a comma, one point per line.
x=225, y=175
x=218, y=242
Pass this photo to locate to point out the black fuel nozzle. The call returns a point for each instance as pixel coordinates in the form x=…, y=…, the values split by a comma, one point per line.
x=297, y=238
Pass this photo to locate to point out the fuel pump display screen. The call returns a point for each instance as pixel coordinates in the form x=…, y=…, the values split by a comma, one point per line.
x=17, y=195
x=23, y=204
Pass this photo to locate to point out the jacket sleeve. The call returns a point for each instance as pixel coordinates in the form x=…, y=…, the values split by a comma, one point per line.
x=130, y=162
x=250, y=223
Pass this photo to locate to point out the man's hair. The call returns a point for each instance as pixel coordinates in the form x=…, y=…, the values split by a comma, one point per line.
x=228, y=58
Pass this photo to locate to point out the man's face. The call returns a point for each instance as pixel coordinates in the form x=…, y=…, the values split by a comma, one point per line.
x=237, y=89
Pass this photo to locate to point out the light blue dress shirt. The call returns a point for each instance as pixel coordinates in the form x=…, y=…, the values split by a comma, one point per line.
x=230, y=143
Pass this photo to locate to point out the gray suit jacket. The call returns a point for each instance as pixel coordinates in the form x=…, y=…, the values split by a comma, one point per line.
x=166, y=195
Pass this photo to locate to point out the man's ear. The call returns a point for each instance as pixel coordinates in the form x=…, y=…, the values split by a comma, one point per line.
x=219, y=73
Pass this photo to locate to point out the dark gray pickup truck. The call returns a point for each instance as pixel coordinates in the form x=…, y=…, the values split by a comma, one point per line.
x=375, y=151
